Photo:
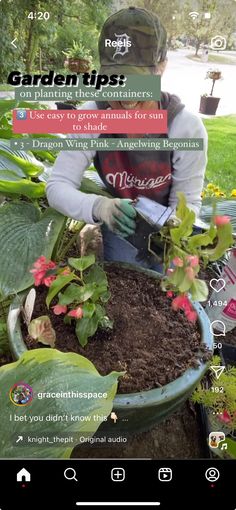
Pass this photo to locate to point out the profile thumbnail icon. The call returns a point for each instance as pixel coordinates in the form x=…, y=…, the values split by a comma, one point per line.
x=21, y=394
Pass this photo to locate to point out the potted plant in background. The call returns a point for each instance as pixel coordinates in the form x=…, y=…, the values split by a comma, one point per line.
x=78, y=58
x=208, y=103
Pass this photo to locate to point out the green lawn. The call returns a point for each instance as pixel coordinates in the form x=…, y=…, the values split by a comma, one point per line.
x=221, y=167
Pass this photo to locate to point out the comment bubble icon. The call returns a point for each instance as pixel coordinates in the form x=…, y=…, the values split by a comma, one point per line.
x=217, y=328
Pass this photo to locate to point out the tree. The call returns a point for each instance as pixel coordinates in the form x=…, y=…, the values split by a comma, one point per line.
x=201, y=30
x=40, y=42
x=169, y=14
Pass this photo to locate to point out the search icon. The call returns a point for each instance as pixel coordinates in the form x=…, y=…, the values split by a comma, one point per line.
x=70, y=474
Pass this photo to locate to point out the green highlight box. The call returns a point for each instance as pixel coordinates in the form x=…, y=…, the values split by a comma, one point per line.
x=140, y=88
x=107, y=144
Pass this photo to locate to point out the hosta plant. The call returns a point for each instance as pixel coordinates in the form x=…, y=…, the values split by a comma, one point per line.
x=81, y=290
x=78, y=399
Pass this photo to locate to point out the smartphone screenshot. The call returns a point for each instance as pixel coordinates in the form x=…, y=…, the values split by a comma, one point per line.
x=118, y=253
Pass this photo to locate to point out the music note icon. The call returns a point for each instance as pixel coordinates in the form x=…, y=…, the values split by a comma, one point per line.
x=224, y=446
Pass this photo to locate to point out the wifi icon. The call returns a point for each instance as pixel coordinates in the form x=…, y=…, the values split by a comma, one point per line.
x=194, y=14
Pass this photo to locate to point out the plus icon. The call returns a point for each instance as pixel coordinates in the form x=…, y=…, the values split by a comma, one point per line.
x=118, y=474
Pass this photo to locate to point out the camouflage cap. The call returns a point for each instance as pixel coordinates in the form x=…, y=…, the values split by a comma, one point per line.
x=132, y=41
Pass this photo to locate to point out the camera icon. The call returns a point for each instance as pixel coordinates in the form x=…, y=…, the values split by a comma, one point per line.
x=218, y=43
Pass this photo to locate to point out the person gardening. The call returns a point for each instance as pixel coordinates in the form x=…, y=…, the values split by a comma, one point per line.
x=157, y=175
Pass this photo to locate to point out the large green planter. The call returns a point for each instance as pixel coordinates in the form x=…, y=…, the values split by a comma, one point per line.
x=136, y=412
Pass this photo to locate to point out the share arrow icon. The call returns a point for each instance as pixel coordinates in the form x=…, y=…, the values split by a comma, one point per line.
x=218, y=370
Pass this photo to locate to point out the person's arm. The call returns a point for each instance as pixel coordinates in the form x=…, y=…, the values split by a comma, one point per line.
x=64, y=196
x=63, y=185
x=189, y=166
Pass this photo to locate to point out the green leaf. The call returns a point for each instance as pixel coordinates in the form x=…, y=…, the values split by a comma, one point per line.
x=76, y=293
x=24, y=160
x=82, y=263
x=224, y=241
x=99, y=292
x=41, y=329
x=58, y=284
x=104, y=320
x=88, y=310
x=11, y=184
x=182, y=208
x=86, y=327
x=9, y=175
x=44, y=156
x=185, y=284
x=199, y=290
x=25, y=235
x=185, y=229
x=10, y=166
x=100, y=311
x=105, y=296
x=177, y=276
x=6, y=105
x=51, y=371
x=96, y=274
x=204, y=239
x=4, y=342
x=12, y=177
x=106, y=323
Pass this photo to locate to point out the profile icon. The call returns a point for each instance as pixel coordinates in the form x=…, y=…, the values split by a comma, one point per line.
x=21, y=394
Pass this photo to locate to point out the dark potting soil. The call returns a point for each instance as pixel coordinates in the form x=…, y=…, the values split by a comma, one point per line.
x=150, y=341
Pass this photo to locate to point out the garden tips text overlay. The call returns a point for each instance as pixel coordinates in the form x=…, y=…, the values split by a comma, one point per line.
x=85, y=86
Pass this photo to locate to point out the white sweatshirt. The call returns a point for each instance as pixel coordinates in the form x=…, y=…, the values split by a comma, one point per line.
x=188, y=171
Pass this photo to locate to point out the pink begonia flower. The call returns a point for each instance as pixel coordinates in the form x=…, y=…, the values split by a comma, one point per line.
x=191, y=315
x=39, y=263
x=170, y=294
x=169, y=271
x=38, y=276
x=221, y=220
x=193, y=260
x=178, y=262
x=77, y=313
x=190, y=273
x=48, y=280
x=180, y=302
x=58, y=309
x=225, y=417
x=39, y=271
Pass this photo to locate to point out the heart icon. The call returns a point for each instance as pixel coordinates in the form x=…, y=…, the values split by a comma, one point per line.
x=217, y=284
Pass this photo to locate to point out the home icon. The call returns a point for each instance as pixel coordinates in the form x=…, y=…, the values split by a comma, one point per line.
x=23, y=476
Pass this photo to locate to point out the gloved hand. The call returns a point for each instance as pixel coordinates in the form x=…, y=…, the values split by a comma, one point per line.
x=118, y=214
